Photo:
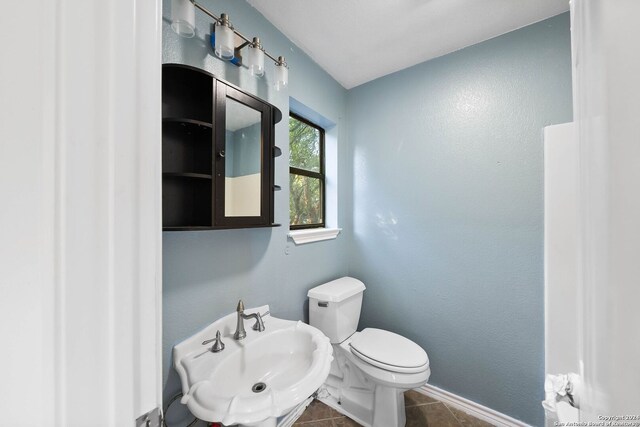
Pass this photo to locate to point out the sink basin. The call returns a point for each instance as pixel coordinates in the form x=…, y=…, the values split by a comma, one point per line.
x=255, y=380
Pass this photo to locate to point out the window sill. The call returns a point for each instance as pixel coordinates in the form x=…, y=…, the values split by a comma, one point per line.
x=313, y=235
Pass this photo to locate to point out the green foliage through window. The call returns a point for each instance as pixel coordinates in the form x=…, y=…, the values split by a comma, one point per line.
x=306, y=174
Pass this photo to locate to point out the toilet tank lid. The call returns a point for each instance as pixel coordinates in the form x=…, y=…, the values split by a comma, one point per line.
x=337, y=290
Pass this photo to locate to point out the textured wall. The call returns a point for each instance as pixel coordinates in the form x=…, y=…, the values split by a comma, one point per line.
x=448, y=209
x=205, y=273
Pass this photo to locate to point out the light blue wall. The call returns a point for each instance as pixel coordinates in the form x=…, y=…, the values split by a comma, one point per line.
x=205, y=273
x=448, y=209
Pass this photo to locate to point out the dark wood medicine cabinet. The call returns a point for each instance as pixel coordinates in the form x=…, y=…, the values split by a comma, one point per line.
x=218, y=153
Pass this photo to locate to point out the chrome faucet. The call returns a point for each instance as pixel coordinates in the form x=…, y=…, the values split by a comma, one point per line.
x=240, y=332
x=218, y=345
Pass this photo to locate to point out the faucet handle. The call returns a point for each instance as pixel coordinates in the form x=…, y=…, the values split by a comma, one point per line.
x=259, y=325
x=218, y=345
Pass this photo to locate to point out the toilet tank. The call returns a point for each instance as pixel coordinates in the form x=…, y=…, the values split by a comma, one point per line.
x=334, y=308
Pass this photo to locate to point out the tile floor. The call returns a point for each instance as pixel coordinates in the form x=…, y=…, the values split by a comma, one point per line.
x=421, y=410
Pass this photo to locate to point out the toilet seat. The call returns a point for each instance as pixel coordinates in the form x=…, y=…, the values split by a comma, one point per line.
x=389, y=351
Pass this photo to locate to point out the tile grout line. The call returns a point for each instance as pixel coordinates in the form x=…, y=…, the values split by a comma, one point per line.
x=302, y=423
x=423, y=404
x=452, y=414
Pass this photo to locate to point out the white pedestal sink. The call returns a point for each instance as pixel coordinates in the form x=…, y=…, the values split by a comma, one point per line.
x=252, y=381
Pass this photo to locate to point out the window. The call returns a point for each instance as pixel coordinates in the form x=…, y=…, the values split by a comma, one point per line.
x=306, y=174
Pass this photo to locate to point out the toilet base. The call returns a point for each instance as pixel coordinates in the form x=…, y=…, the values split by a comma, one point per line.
x=366, y=394
x=332, y=402
x=387, y=408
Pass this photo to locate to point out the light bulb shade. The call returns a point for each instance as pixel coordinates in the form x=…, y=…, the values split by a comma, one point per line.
x=282, y=77
x=183, y=18
x=224, y=42
x=255, y=61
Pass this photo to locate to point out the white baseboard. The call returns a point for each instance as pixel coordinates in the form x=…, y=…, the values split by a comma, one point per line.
x=472, y=408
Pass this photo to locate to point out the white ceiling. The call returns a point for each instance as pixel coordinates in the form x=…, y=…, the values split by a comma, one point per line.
x=360, y=40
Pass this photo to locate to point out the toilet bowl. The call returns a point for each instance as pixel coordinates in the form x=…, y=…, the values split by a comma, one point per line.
x=372, y=368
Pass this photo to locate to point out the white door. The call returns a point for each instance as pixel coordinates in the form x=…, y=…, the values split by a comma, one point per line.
x=605, y=36
x=80, y=212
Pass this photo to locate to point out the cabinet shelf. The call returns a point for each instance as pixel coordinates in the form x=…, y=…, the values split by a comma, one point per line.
x=186, y=146
x=188, y=228
x=218, y=227
x=186, y=175
x=190, y=123
x=186, y=202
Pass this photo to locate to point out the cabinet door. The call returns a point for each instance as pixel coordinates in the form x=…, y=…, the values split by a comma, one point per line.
x=242, y=159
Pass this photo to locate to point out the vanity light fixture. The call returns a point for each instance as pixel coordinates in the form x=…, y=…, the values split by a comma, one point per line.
x=223, y=40
x=223, y=43
x=183, y=18
x=282, y=73
x=255, y=58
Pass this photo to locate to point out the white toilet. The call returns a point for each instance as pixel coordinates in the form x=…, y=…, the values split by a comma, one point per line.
x=371, y=369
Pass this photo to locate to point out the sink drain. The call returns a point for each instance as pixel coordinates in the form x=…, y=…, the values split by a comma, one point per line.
x=258, y=387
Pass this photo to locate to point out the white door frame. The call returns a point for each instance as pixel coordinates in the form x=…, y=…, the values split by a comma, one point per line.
x=80, y=243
